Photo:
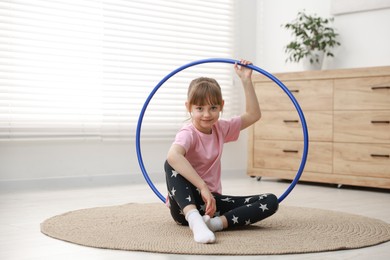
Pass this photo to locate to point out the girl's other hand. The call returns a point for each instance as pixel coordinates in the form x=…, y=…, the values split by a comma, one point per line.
x=209, y=201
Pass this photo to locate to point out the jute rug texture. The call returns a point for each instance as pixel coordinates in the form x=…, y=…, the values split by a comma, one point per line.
x=150, y=228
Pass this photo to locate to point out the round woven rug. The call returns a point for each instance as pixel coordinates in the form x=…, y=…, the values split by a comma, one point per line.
x=149, y=227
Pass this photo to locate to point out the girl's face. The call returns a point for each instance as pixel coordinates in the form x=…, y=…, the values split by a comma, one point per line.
x=204, y=117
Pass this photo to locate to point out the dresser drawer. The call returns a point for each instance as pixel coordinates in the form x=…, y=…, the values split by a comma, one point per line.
x=371, y=160
x=287, y=155
x=362, y=93
x=286, y=125
x=311, y=95
x=362, y=126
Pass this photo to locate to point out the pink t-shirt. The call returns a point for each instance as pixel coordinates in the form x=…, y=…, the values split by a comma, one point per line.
x=204, y=151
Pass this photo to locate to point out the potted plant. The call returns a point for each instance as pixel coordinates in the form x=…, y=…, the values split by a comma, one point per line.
x=313, y=38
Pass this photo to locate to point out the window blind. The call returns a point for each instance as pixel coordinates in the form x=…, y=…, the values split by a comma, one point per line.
x=82, y=69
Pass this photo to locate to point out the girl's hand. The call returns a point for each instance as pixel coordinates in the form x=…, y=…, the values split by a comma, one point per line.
x=243, y=72
x=209, y=201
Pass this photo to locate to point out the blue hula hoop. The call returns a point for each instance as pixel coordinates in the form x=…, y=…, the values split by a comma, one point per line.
x=222, y=60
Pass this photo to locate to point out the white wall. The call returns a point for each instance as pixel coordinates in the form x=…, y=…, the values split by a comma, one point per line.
x=364, y=35
x=367, y=45
x=365, y=40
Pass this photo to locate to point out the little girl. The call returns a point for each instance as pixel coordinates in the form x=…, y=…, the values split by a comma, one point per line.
x=193, y=166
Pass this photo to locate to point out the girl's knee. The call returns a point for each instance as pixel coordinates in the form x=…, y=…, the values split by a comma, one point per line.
x=272, y=201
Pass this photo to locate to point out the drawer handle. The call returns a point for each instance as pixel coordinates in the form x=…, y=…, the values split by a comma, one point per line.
x=380, y=122
x=380, y=155
x=291, y=121
x=290, y=151
x=380, y=87
x=294, y=91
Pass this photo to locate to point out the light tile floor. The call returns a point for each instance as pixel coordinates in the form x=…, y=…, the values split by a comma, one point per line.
x=23, y=211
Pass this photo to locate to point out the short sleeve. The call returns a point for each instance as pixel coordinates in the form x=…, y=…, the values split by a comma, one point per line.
x=184, y=138
x=230, y=128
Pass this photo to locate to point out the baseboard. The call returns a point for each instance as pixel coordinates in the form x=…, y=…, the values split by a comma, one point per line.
x=89, y=181
x=69, y=182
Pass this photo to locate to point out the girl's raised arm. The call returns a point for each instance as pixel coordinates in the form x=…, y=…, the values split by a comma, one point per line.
x=252, y=112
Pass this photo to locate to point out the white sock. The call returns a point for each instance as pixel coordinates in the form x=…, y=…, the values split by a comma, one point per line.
x=202, y=233
x=214, y=224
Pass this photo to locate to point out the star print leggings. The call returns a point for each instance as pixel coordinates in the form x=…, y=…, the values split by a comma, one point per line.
x=238, y=210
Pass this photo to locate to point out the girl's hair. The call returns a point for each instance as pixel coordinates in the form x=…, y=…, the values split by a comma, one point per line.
x=204, y=91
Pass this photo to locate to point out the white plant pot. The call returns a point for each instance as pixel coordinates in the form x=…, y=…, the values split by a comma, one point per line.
x=307, y=65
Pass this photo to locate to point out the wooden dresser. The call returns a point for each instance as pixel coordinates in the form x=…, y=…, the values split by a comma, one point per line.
x=348, y=117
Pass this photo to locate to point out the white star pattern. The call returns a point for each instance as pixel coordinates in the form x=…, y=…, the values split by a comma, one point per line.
x=174, y=174
x=203, y=207
x=247, y=200
x=248, y=222
x=235, y=220
x=228, y=200
x=262, y=196
x=249, y=205
x=189, y=199
x=263, y=207
x=173, y=191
